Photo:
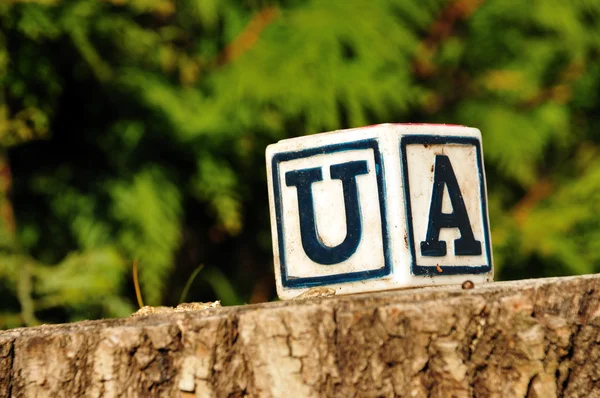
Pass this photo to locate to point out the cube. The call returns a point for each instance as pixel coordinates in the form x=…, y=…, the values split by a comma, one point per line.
x=381, y=207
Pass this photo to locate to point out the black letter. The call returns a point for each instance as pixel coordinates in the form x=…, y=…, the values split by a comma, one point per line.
x=313, y=247
x=432, y=246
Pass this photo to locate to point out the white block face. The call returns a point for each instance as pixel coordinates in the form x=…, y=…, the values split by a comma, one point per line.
x=380, y=207
x=331, y=204
x=445, y=204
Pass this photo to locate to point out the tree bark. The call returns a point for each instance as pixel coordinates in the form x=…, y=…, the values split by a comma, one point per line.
x=536, y=338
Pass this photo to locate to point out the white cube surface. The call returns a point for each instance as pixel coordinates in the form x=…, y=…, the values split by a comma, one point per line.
x=379, y=207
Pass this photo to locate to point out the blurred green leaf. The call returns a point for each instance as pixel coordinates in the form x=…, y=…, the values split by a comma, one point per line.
x=137, y=128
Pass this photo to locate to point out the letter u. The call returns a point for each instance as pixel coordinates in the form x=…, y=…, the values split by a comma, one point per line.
x=312, y=245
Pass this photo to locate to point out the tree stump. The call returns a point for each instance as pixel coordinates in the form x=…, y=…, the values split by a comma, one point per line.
x=534, y=338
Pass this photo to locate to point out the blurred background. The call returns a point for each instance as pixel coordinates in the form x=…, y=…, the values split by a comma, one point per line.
x=136, y=129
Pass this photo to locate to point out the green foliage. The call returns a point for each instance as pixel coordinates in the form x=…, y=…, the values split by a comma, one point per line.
x=135, y=129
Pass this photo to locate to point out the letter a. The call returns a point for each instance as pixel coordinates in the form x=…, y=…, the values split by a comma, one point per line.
x=312, y=245
x=432, y=246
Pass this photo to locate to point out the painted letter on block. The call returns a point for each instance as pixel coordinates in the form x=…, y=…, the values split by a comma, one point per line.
x=445, y=205
x=331, y=206
x=379, y=207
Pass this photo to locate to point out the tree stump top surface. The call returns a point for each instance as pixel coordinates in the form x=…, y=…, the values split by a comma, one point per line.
x=532, y=338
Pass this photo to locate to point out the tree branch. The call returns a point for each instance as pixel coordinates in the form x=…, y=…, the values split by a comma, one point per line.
x=441, y=29
x=538, y=192
x=6, y=208
x=248, y=37
x=561, y=91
